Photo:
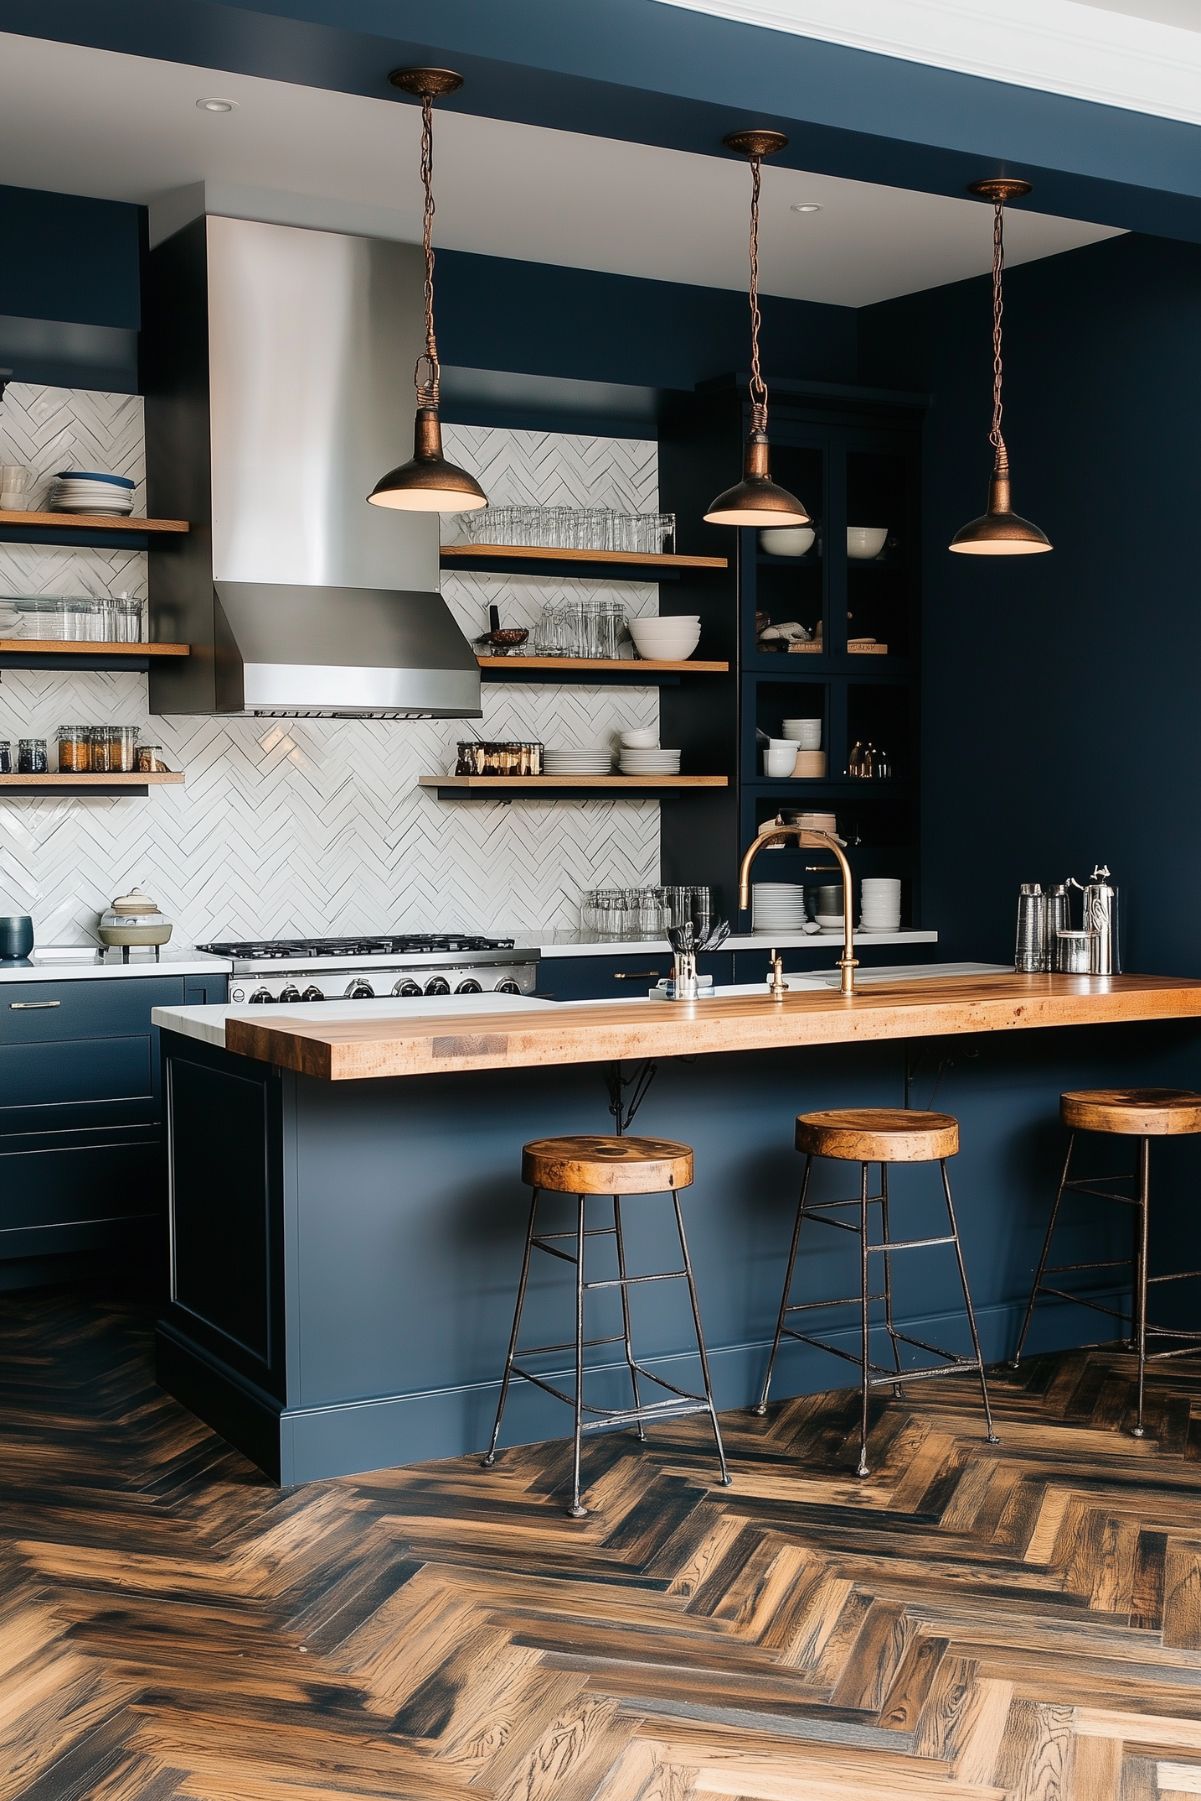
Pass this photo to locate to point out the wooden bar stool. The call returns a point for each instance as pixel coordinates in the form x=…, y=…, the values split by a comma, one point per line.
x=883, y=1135
x=1142, y=1113
x=615, y=1167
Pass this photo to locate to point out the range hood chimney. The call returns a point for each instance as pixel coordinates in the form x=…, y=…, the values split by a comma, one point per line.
x=277, y=363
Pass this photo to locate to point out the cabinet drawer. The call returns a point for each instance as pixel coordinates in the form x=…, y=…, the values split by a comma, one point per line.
x=40, y=1012
x=49, y=1189
x=36, y=1080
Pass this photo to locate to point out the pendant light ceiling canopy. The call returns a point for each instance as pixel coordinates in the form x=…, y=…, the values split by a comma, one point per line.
x=756, y=499
x=999, y=531
x=428, y=483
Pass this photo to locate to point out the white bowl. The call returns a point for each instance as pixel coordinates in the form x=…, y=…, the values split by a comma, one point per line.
x=641, y=740
x=779, y=763
x=806, y=734
x=665, y=647
x=787, y=540
x=865, y=541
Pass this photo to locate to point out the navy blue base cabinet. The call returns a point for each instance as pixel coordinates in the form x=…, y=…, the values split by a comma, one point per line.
x=82, y=1167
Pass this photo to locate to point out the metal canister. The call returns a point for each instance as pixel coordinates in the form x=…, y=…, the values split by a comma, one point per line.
x=1030, y=948
x=1101, y=918
x=1059, y=919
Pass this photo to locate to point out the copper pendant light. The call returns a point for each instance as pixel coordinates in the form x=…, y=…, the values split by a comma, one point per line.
x=756, y=499
x=999, y=532
x=427, y=483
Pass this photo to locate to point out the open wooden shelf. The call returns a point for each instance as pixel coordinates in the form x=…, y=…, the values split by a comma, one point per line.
x=58, y=647
x=91, y=522
x=531, y=786
x=650, y=670
x=83, y=784
x=546, y=553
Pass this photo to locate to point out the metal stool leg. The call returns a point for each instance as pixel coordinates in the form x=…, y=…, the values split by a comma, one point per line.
x=865, y=1336
x=489, y=1457
x=886, y=1235
x=967, y=1301
x=625, y=1309
x=577, y=1510
x=1049, y=1234
x=761, y=1408
x=1140, y=1276
x=700, y=1339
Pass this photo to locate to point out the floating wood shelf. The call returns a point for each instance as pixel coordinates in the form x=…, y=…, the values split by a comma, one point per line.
x=592, y=669
x=531, y=786
x=166, y=778
x=57, y=647
x=91, y=522
x=546, y=553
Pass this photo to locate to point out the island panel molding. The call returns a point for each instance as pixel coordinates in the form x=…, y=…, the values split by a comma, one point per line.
x=942, y=1006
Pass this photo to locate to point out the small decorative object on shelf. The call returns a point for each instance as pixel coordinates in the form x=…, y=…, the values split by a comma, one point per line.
x=508, y=758
x=866, y=763
x=502, y=641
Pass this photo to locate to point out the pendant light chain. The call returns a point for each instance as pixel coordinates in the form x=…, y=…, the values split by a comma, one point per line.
x=429, y=389
x=995, y=437
x=758, y=385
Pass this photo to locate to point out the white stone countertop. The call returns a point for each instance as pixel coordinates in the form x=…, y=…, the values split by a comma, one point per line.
x=586, y=944
x=80, y=962
x=208, y=1023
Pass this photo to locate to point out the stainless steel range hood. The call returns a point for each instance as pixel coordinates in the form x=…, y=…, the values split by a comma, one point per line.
x=278, y=368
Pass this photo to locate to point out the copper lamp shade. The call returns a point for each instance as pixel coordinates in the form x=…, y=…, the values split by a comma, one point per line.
x=756, y=499
x=428, y=483
x=999, y=531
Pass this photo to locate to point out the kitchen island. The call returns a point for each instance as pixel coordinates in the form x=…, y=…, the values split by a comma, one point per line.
x=347, y=1210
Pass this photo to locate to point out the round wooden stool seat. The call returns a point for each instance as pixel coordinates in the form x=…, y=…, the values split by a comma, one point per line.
x=587, y=1165
x=1134, y=1112
x=878, y=1135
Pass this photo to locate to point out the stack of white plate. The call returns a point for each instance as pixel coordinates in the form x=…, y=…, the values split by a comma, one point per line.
x=806, y=734
x=881, y=905
x=596, y=759
x=778, y=907
x=635, y=761
x=86, y=491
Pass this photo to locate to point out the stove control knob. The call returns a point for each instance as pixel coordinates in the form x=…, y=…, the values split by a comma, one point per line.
x=470, y=986
x=237, y=994
x=439, y=985
x=360, y=991
x=312, y=994
x=408, y=988
x=260, y=996
x=290, y=993
x=508, y=986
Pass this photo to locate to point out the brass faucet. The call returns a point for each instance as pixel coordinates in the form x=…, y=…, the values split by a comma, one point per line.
x=805, y=835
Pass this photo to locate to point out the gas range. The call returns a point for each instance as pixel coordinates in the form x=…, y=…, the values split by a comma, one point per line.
x=289, y=970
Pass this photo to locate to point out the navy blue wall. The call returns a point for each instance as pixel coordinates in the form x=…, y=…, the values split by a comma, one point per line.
x=1060, y=691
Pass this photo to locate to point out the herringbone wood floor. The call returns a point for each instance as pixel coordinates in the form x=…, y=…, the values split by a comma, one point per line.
x=972, y=1621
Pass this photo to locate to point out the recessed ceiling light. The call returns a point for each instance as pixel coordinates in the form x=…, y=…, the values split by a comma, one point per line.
x=806, y=206
x=216, y=106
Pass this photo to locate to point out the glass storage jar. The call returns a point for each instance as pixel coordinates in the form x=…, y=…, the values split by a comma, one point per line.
x=74, y=749
x=31, y=757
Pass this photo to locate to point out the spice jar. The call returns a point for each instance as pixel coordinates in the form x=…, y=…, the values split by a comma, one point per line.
x=148, y=759
x=74, y=748
x=6, y=757
x=31, y=757
x=101, y=750
x=123, y=741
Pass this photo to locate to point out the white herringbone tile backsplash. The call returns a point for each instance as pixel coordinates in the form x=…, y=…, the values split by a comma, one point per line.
x=310, y=826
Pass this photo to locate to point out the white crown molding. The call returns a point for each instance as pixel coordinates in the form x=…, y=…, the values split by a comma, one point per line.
x=1058, y=46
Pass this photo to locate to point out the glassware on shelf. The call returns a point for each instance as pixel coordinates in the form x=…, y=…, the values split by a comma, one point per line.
x=572, y=528
x=31, y=757
x=129, y=620
x=74, y=749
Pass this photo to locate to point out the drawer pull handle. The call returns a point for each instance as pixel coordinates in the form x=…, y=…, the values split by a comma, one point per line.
x=32, y=1006
x=635, y=975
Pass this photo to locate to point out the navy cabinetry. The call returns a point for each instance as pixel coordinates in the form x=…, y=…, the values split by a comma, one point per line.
x=620, y=976
x=81, y=1155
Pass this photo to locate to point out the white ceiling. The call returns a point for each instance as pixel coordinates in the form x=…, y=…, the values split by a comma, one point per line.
x=86, y=121
x=1143, y=55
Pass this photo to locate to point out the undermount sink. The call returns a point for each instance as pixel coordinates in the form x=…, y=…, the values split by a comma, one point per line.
x=908, y=972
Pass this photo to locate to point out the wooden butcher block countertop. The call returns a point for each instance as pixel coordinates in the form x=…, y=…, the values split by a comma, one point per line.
x=587, y=1032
